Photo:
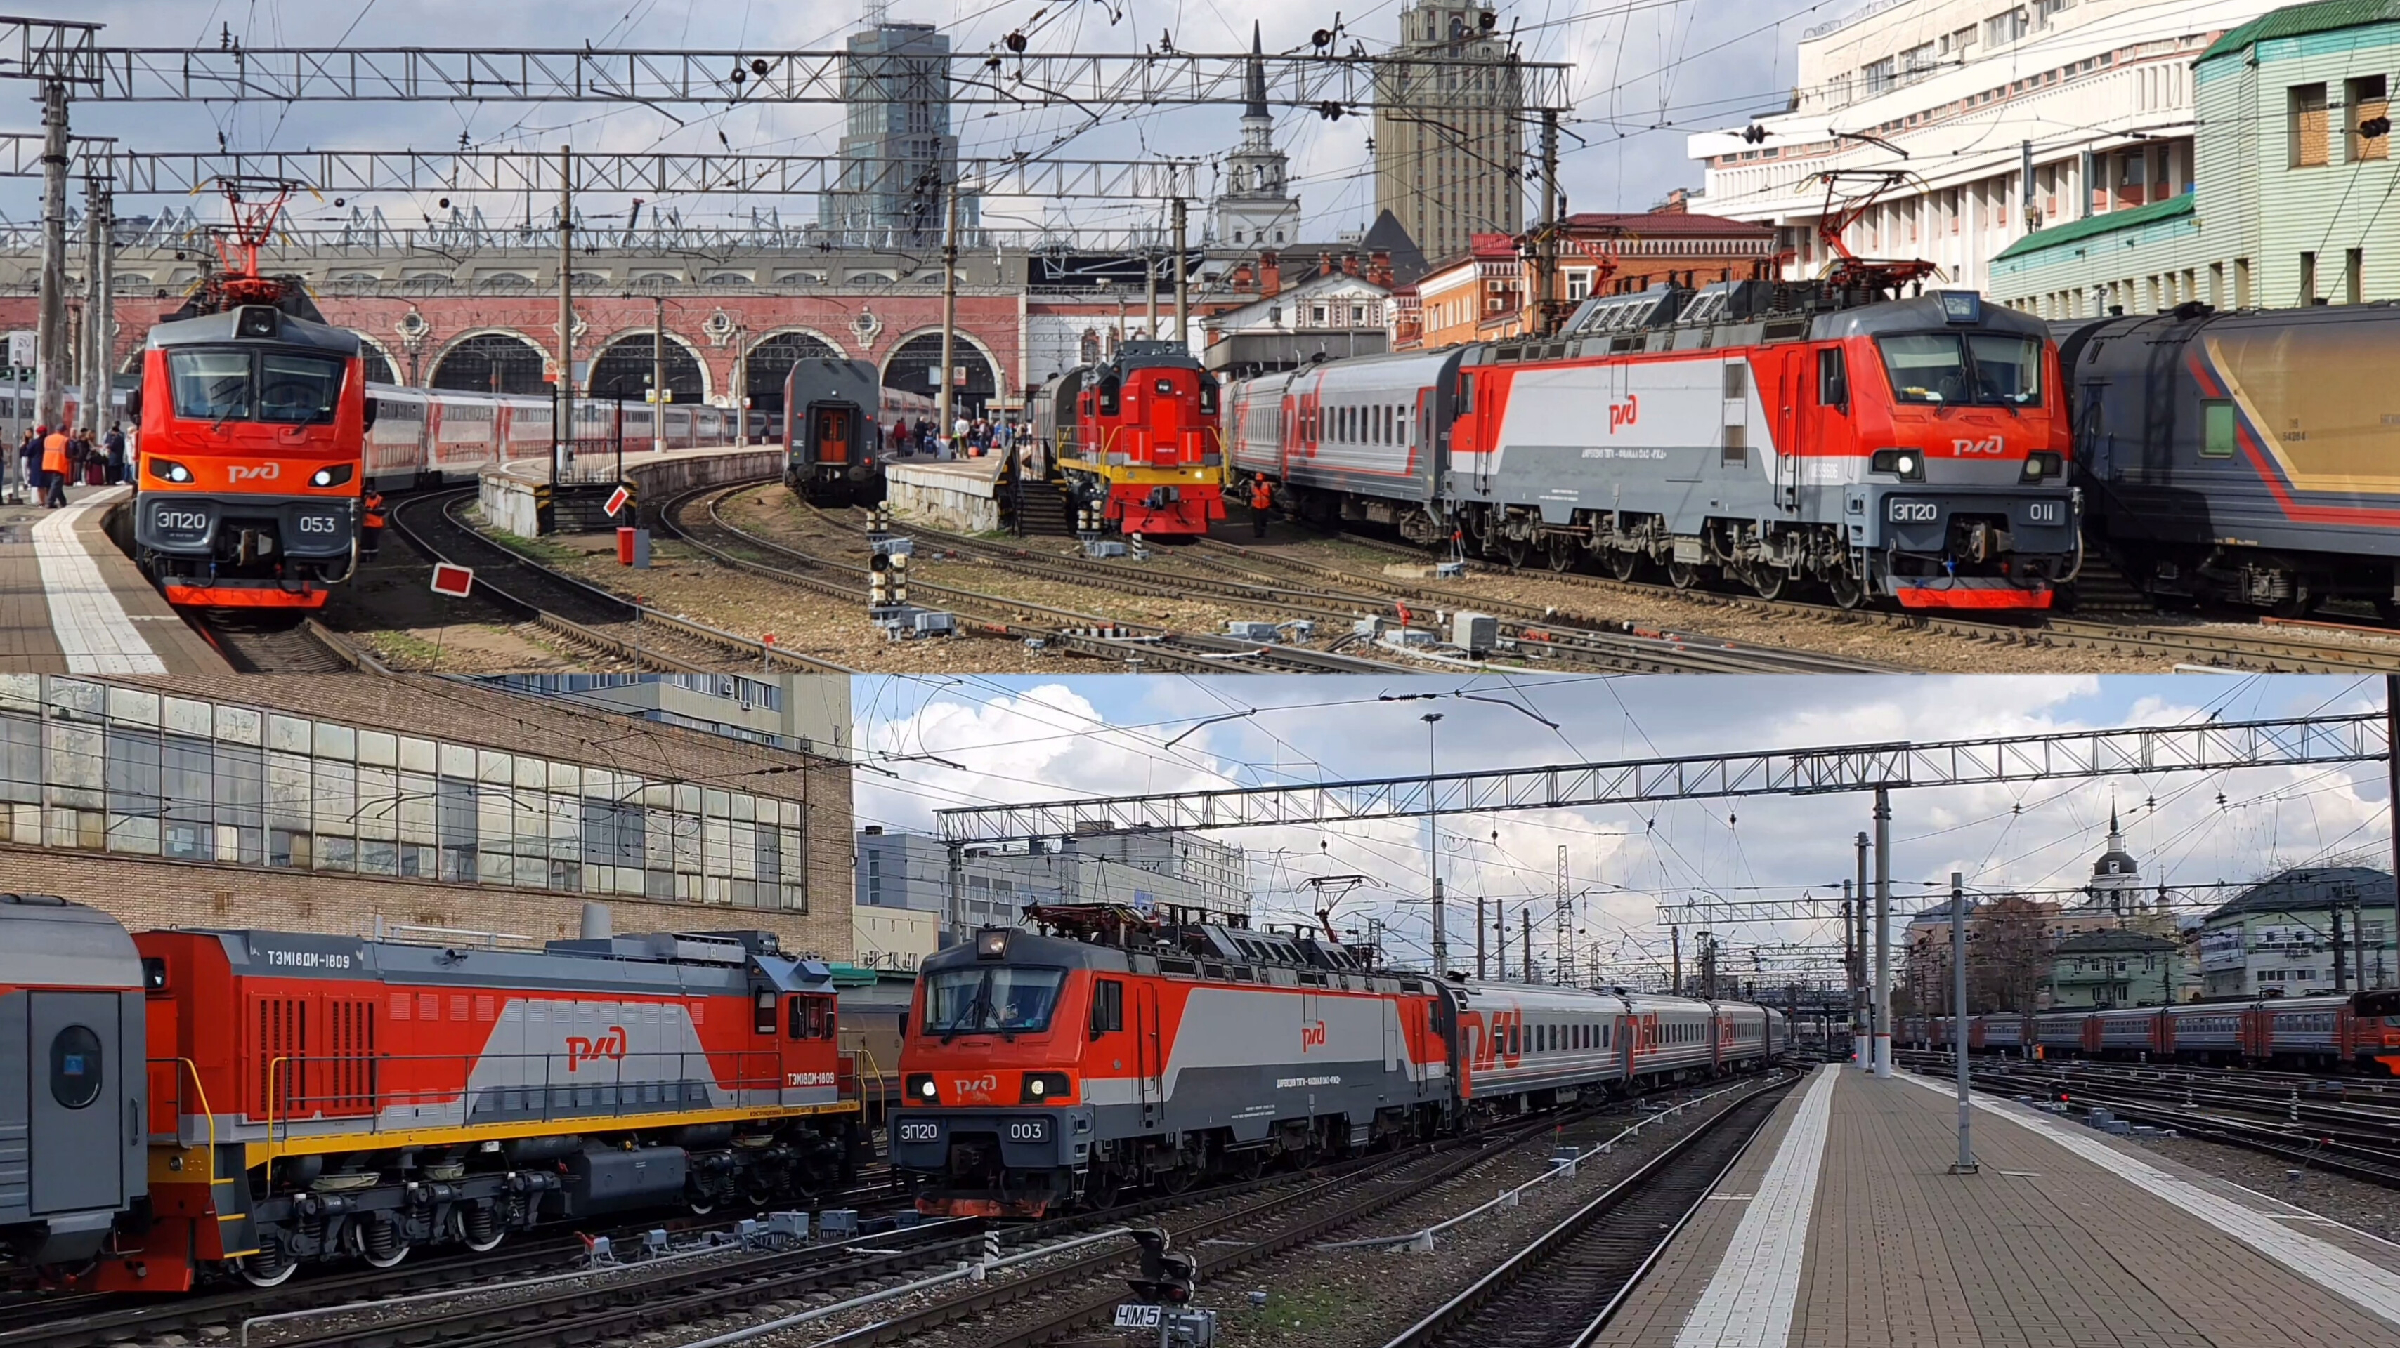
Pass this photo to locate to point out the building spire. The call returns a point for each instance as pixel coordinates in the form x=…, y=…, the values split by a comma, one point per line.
x=1254, y=78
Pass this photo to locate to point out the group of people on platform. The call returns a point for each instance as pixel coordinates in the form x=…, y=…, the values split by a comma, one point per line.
x=970, y=437
x=55, y=458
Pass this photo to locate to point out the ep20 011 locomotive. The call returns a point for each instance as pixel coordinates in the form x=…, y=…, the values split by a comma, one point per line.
x=251, y=1101
x=1042, y=1070
x=1766, y=433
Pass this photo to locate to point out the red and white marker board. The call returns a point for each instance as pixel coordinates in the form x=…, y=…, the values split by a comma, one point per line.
x=617, y=499
x=454, y=581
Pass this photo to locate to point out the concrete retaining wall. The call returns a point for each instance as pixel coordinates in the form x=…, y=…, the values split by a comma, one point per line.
x=512, y=498
x=960, y=497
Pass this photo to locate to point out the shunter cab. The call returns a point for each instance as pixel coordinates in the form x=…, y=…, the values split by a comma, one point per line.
x=249, y=456
x=1147, y=453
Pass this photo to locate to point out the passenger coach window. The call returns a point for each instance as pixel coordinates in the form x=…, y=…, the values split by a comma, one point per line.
x=75, y=1063
x=2216, y=428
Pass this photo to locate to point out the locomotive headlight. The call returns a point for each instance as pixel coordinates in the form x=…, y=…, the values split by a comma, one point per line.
x=170, y=470
x=920, y=1086
x=1906, y=464
x=2043, y=467
x=331, y=475
x=1042, y=1086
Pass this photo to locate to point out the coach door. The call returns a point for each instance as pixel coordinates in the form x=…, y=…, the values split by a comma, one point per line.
x=80, y=1114
x=833, y=427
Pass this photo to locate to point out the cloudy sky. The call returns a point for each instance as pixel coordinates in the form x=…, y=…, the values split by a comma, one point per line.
x=1646, y=71
x=936, y=743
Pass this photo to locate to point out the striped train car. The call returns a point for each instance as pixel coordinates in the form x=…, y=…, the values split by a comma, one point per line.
x=424, y=437
x=1042, y=1070
x=2358, y=1032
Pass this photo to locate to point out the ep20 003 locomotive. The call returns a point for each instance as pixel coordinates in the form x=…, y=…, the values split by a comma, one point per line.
x=1046, y=1070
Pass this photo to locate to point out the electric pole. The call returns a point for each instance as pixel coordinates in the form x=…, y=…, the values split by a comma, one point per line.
x=1525, y=928
x=1433, y=855
x=1183, y=303
x=949, y=300
x=1545, y=252
x=1883, y=933
x=94, y=360
x=1482, y=969
x=563, y=446
x=658, y=374
x=50, y=328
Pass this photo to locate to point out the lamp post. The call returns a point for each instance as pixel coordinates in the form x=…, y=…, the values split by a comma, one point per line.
x=1433, y=850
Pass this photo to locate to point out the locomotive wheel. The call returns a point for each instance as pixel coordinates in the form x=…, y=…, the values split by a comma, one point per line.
x=1561, y=552
x=270, y=1267
x=1848, y=591
x=479, y=1229
x=1682, y=575
x=1516, y=550
x=1624, y=564
x=1769, y=582
x=1175, y=1181
x=381, y=1245
x=1101, y=1188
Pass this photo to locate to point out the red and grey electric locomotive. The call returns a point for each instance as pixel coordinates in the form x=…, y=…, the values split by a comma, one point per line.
x=1044, y=1070
x=1760, y=432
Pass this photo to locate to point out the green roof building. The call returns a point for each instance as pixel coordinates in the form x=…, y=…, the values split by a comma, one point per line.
x=2293, y=184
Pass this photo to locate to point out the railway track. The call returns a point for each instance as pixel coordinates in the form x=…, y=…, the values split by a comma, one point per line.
x=1130, y=644
x=1073, y=1292
x=2259, y=652
x=583, y=615
x=1561, y=1289
x=1534, y=634
x=2346, y=1140
x=306, y=647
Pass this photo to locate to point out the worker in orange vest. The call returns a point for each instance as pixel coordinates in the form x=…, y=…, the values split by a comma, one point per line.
x=370, y=541
x=1262, y=502
x=54, y=469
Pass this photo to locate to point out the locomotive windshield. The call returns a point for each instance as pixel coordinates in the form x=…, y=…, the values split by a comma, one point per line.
x=1008, y=998
x=1985, y=369
x=284, y=387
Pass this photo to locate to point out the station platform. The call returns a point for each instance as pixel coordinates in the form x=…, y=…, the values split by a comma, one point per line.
x=961, y=495
x=519, y=497
x=1842, y=1227
x=72, y=603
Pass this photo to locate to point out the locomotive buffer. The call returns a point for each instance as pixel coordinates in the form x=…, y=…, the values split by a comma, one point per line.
x=1163, y=1292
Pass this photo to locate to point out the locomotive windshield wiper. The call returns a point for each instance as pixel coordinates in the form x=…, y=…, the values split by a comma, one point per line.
x=980, y=1004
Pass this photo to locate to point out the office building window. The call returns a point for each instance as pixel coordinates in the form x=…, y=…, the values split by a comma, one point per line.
x=2307, y=125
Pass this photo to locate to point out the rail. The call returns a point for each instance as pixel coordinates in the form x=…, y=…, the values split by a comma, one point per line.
x=1421, y=1240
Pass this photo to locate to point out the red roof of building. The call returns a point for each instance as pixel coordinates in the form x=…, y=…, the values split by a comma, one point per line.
x=1652, y=224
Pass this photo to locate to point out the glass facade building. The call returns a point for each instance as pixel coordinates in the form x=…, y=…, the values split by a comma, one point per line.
x=130, y=770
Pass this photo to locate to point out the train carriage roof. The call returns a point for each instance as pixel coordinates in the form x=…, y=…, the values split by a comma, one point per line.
x=50, y=942
x=653, y=964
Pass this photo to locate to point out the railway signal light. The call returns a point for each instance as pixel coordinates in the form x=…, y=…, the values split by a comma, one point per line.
x=1166, y=1278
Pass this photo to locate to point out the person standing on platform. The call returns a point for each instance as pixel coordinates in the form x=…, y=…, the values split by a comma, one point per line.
x=370, y=537
x=54, y=469
x=1262, y=504
x=29, y=454
x=115, y=445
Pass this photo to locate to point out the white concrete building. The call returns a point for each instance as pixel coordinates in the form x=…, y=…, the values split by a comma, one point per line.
x=1958, y=98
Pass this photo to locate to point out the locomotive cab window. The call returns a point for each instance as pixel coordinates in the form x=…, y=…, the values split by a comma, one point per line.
x=1833, y=379
x=1108, y=396
x=1108, y=1006
x=810, y=1017
x=1003, y=998
x=1208, y=395
x=1981, y=369
x=763, y=1018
